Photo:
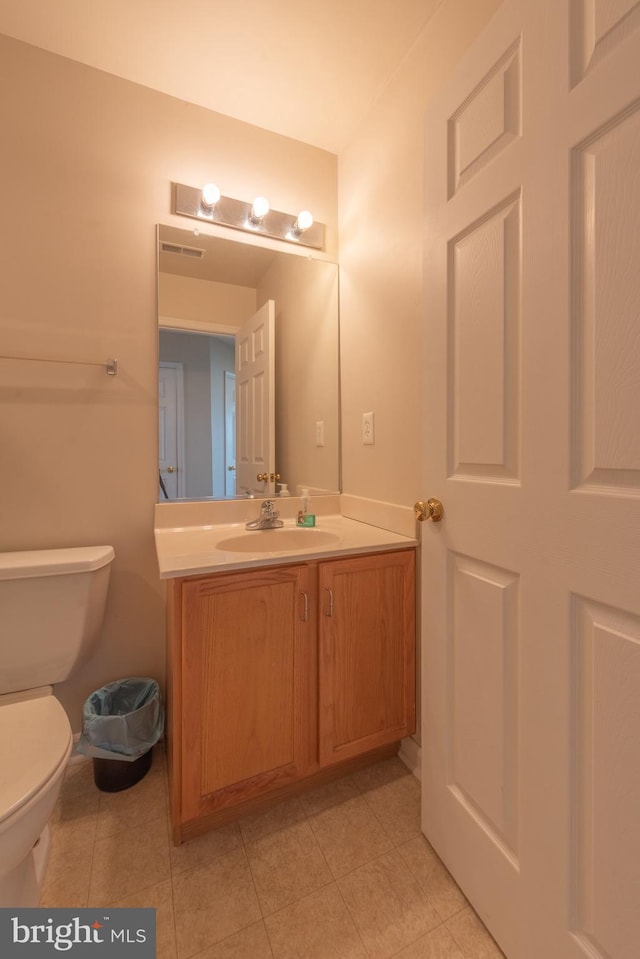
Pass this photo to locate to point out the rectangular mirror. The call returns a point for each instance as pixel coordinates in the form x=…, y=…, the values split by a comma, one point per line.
x=248, y=395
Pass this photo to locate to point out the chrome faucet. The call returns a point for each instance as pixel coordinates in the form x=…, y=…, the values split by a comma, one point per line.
x=268, y=518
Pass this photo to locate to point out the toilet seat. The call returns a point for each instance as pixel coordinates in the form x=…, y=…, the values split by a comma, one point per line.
x=35, y=740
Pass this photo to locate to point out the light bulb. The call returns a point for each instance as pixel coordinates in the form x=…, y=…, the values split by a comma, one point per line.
x=304, y=221
x=210, y=195
x=260, y=208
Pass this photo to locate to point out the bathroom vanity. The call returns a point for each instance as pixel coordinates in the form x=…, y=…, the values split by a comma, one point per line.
x=290, y=661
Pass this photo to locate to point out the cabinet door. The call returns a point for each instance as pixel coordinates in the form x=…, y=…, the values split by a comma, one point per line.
x=367, y=653
x=248, y=690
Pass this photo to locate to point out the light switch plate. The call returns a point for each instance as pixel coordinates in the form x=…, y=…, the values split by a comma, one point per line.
x=368, y=434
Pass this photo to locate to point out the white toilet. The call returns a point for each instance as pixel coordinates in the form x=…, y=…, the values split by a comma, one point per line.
x=51, y=610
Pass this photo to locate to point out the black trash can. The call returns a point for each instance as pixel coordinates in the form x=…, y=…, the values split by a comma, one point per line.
x=122, y=722
x=113, y=775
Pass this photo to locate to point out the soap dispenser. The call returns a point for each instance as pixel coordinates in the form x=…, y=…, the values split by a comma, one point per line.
x=305, y=518
x=284, y=489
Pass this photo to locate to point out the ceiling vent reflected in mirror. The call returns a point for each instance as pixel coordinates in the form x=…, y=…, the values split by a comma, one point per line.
x=192, y=251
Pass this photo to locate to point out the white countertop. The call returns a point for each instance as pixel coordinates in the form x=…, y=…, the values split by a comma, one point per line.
x=193, y=550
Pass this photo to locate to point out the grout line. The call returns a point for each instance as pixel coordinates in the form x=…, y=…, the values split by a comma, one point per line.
x=309, y=822
x=440, y=923
x=427, y=934
x=269, y=943
x=93, y=848
x=173, y=915
x=313, y=891
x=352, y=920
x=110, y=903
x=287, y=825
x=170, y=845
x=255, y=885
x=378, y=820
x=458, y=944
x=244, y=844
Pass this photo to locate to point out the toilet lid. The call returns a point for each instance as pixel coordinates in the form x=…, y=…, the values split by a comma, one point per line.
x=34, y=738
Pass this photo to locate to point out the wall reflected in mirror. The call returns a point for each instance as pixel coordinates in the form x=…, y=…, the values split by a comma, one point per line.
x=213, y=435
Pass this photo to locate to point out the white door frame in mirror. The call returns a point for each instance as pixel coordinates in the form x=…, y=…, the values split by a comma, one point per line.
x=171, y=458
x=230, y=433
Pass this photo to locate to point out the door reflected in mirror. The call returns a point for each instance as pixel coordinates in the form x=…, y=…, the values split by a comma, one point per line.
x=193, y=377
x=248, y=369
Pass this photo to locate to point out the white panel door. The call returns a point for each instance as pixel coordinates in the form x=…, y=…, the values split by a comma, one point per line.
x=531, y=582
x=255, y=402
x=171, y=431
x=229, y=433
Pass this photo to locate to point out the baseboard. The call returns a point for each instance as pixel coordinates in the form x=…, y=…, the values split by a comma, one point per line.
x=75, y=758
x=410, y=753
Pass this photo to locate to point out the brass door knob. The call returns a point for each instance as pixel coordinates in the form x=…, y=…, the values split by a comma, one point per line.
x=231, y=469
x=432, y=509
x=262, y=477
x=171, y=469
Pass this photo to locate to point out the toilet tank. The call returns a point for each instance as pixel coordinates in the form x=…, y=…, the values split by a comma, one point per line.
x=52, y=604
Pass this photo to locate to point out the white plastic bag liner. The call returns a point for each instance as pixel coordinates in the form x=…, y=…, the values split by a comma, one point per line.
x=122, y=720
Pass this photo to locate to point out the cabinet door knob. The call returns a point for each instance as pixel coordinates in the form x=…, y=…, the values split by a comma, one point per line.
x=329, y=611
x=305, y=607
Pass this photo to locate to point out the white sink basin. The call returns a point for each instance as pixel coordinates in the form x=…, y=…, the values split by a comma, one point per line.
x=277, y=540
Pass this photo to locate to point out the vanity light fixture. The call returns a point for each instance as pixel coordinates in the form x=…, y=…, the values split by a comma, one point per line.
x=303, y=223
x=210, y=196
x=207, y=203
x=259, y=210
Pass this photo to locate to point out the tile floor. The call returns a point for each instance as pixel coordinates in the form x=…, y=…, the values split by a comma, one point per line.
x=339, y=873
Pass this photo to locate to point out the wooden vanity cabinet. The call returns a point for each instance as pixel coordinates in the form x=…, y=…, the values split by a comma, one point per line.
x=284, y=675
x=367, y=653
x=243, y=715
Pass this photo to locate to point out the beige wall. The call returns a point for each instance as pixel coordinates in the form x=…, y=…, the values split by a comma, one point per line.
x=381, y=298
x=305, y=292
x=87, y=164
x=85, y=178
x=193, y=304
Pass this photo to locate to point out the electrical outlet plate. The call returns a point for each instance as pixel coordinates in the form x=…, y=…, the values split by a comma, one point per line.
x=320, y=433
x=368, y=437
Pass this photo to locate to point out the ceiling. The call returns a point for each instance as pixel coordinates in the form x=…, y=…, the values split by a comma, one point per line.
x=220, y=260
x=308, y=69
